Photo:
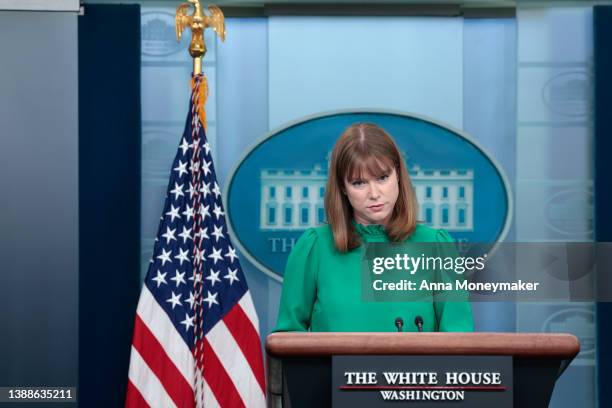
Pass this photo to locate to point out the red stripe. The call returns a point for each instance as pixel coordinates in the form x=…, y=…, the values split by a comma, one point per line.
x=158, y=361
x=246, y=336
x=134, y=398
x=219, y=382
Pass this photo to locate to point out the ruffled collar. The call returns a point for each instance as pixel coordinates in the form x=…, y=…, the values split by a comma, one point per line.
x=372, y=230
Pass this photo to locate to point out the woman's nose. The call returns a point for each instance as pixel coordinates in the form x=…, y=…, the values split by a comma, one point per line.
x=374, y=190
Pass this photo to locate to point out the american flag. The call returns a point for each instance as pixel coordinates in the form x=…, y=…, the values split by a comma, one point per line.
x=196, y=333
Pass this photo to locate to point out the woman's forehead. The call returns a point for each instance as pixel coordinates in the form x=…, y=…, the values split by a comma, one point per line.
x=369, y=168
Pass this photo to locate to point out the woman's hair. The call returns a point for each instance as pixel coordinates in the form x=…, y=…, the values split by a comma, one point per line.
x=366, y=148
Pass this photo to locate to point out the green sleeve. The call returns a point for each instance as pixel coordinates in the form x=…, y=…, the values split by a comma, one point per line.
x=299, y=285
x=452, y=315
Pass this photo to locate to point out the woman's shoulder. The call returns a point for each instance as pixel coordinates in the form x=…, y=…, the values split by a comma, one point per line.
x=315, y=235
x=313, y=241
x=424, y=233
x=320, y=237
x=319, y=234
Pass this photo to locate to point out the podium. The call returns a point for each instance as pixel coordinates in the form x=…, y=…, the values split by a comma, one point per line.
x=300, y=364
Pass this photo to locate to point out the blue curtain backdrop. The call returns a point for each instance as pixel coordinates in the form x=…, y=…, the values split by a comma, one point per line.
x=602, y=16
x=109, y=198
x=554, y=168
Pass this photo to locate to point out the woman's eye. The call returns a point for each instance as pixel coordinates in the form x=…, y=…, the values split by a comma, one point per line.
x=383, y=178
x=357, y=183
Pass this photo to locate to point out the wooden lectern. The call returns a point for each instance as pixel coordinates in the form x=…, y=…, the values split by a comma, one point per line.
x=305, y=359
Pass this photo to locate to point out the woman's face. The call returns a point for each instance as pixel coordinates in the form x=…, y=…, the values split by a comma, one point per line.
x=373, y=198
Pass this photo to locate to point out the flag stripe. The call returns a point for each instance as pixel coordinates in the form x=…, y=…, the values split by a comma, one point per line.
x=156, y=358
x=247, y=339
x=147, y=383
x=225, y=347
x=209, y=398
x=221, y=385
x=134, y=398
x=156, y=319
x=246, y=303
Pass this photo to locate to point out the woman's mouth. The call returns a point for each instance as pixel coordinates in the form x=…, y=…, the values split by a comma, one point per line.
x=376, y=207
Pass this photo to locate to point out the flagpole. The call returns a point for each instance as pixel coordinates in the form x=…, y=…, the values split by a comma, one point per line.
x=197, y=23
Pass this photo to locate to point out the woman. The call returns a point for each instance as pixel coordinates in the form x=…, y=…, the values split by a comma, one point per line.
x=369, y=198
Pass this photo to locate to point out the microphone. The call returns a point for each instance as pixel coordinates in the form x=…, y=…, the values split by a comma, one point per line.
x=399, y=323
x=418, y=321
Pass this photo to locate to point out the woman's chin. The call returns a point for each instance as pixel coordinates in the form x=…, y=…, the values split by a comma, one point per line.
x=378, y=218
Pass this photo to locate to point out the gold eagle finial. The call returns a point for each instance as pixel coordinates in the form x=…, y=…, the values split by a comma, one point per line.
x=198, y=22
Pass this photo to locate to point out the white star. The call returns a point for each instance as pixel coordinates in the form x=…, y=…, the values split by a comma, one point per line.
x=204, y=211
x=184, y=146
x=188, y=212
x=190, y=299
x=160, y=278
x=231, y=254
x=213, y=277
x=204, y=233
x=211, y=299
x=175, y=300
x=206, y=147
x=216, y=255
x=186, y=234
x=169, y=235
x=205, y=189
x=174, y=212
x=179, y=278
x=182, y=168
x=206, y=168
x=199, y=255
x=177, y=191
x=231, y=275
x=165, y=256
x=191, y=190
x=217, y=211
x=188, y=322
x=218, y=233
x=182, y=256
x=216, y=190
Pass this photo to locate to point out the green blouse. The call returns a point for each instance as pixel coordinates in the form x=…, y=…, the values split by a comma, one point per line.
x=322, y=289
